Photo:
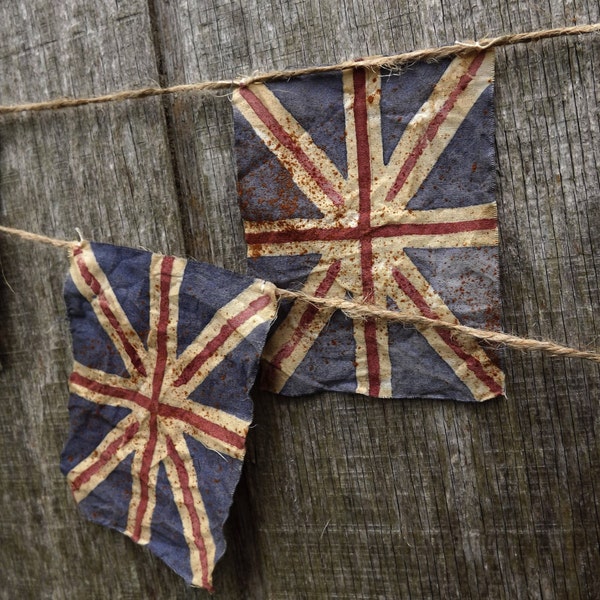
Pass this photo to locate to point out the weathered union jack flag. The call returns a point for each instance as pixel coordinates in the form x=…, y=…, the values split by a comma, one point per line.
x=165, y=353
x=377, y=186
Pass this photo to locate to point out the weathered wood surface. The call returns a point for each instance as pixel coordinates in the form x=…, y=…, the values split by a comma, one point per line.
x=342, y=496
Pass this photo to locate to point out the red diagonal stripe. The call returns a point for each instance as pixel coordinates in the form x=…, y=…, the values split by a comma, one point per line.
x=262, y=112
x=110, y=390
x=188, y=502
x=95, y=286
x=225, y=332
x=434, y=126
x=106, y=455
x=471, y=361
x=214, y=430
x=308, y=315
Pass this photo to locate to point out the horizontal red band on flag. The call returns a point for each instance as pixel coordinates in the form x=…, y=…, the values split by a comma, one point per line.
x=359, y=233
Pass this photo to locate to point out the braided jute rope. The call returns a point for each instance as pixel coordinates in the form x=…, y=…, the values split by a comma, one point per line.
x=357, y=310
x=375, y=61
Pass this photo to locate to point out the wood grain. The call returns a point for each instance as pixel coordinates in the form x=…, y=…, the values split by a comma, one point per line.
x=342, y=496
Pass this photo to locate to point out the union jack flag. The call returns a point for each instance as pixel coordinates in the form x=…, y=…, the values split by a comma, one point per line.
x=377, y=186
x=165, y=353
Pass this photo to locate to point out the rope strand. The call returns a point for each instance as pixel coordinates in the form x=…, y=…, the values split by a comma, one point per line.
x=34, y=237
x=375, y=61
x=356, y=310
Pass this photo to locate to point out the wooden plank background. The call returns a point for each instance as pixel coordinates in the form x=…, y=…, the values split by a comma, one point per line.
x=341, y=496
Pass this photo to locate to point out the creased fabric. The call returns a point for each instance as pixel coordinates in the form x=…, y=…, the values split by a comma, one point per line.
x=376, y=186
x=165, y=353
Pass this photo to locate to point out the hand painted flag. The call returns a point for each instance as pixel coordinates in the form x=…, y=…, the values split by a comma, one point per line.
x=377, y=186
x=165, y=352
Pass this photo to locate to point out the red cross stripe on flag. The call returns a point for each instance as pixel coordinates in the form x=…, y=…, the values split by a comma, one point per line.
x=356, y=211
x=159, y=414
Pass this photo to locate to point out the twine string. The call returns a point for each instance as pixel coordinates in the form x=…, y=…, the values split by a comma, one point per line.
x=35, y=237
x=426, y=54
x=357, y=310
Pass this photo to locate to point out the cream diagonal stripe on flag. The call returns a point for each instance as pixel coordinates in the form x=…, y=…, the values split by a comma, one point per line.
x=432, y=128
x=311, y=169
x=92, y=284
x=301, y=327
x=113, y=449
x=231, y=324
x=413, y=293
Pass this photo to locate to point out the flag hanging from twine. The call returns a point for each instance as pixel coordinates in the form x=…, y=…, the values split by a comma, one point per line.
x=166, y=351
x=376, y=186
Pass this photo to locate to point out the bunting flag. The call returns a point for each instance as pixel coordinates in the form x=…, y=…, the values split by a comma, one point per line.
x=165, y=353
x=376, y=186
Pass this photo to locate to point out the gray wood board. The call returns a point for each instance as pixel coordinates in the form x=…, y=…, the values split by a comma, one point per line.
x=341, y=496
